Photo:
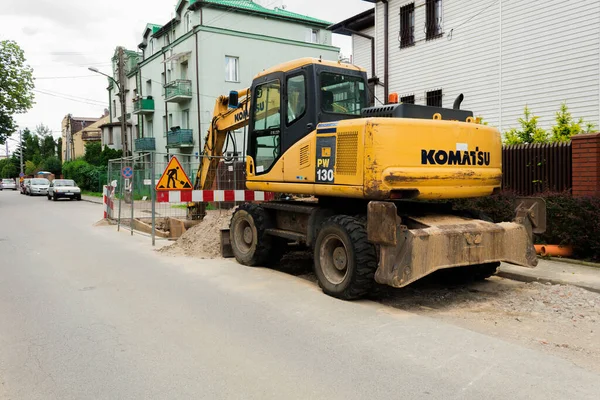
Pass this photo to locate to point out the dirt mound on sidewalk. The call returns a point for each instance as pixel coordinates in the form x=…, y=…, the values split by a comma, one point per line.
x=202, y=240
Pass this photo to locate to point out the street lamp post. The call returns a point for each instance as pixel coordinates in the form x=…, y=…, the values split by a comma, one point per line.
x=121, y=89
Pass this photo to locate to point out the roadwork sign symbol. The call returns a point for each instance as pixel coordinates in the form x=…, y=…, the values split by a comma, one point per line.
x=127, y=172
x=174, y=177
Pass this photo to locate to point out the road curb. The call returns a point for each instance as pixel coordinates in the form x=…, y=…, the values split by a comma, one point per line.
x=529, y=278
x=572, y=261
x=92, y=201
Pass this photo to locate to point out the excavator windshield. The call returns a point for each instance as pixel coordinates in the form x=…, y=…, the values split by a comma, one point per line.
x=342, y=94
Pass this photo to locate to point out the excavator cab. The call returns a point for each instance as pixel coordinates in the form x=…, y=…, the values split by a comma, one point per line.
x=289, y=103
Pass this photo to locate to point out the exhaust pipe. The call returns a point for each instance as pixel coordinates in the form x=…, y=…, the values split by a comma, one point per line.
x=458, y=101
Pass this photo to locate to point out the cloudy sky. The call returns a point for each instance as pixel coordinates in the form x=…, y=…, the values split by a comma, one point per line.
x=61, y=38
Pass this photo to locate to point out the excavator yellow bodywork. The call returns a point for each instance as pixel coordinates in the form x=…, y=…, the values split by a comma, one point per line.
x=386, y=158
x=370, y=173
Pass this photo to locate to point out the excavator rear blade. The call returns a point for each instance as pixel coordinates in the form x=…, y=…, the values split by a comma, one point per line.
x=448, y=241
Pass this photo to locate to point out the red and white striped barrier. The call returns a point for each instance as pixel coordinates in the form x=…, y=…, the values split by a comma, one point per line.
x=200, y=196
x=109, y=205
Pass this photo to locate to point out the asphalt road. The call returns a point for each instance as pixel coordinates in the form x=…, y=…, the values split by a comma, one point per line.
x=89, y=313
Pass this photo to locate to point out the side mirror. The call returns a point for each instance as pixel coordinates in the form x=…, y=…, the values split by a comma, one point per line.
x=233, y=99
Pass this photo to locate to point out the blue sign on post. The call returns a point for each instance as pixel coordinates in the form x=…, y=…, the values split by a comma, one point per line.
x=127, y=172
x=21, y=175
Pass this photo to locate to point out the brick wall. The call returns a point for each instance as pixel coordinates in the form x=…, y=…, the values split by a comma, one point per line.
x=586, y=164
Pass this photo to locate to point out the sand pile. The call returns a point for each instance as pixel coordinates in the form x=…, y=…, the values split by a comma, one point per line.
x=202, y=240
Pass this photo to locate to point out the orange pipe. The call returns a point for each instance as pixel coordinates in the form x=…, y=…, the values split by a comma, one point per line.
x=553, y=250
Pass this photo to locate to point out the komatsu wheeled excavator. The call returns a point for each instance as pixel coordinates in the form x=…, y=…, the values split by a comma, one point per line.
x=367, y=188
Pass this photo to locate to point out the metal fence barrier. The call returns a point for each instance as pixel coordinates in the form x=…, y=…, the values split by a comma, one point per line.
x=131, y=189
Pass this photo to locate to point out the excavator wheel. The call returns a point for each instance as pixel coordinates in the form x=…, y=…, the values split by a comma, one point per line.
x=344, y=260
x=250, y=244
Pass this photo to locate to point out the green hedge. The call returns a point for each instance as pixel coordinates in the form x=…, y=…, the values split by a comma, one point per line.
x=571, y=220
x=87, y=176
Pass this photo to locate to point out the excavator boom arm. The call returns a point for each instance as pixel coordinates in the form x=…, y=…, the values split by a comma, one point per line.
x=225, y=119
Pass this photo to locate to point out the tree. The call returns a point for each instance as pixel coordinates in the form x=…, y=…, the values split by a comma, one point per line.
x=59, y=149
x=93, y=153
x=52, y=164
x=43, y=131
x=9, y=171
x=566, y=126
x=30, y=168
x=16, y=85
x=529, y=132
x=109, y=154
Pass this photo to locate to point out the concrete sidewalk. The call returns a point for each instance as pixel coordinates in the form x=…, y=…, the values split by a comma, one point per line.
x=555, y=272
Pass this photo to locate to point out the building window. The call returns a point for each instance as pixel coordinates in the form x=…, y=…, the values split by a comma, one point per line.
x=408, y=99
x=434, y=98
x=314, y=36
x=165, y=127
x=110, y=136
x=185, y=119
x=163, y=78
x=149, y=87
x=169, y=76
x=149, y=127
x=407, y=25
x=188, y=22
x=433, y=21
x=232, y=66
x=167, y=41
x=151, y=46
x=184, y=70
x=114, y=110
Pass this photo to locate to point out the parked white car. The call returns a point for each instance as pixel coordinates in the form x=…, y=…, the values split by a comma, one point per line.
x=65, y=189
x=38, y=187
x=8, y=184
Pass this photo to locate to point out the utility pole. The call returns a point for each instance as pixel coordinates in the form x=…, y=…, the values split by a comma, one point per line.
x=122, y=99
x=21, y=149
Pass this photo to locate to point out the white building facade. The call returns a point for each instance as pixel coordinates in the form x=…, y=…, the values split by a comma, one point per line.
x=501, y=54
x=209, y=48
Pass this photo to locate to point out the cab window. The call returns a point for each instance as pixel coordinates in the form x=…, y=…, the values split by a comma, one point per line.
x=296, y=98
x=342, y=94
x=267, y=125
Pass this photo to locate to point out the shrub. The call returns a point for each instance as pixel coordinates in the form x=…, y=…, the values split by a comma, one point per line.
x=570, y=220
x=529, y=132
x=87, y=176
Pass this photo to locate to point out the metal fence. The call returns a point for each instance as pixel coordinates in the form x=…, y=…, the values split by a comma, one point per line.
x=536, y=168
x=135, y=198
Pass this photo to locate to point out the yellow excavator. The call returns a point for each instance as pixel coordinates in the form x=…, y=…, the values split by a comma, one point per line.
x=377, y=181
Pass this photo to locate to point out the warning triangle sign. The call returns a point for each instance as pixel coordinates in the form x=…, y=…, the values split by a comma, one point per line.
x=174, y=177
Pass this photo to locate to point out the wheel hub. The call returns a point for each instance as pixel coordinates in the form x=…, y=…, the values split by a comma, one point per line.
x=340, y=260
x=334, y=259
x=248, y=235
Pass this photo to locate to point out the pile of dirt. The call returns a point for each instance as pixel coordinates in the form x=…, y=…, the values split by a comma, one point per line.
x=202, y=240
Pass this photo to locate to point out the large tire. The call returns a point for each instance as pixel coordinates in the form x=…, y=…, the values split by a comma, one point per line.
x=345, y=262
x=250, y=244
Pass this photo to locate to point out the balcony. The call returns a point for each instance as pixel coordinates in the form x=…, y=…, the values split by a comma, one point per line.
x=178, y=91
x=91, y=136
x=181, y=138
x=145, y=144
x=143, y=106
